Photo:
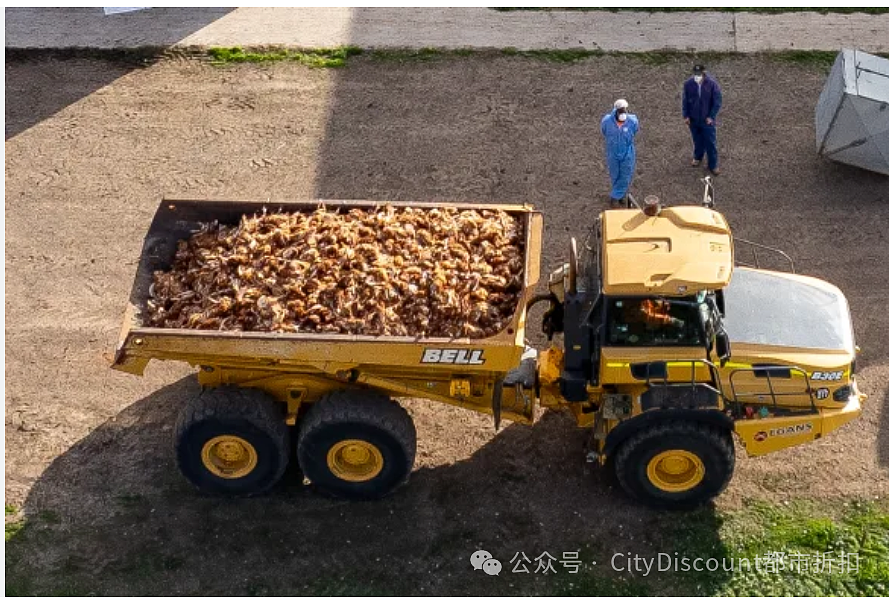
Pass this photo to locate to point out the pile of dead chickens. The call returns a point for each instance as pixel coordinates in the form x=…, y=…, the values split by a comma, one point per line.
x=440, y=272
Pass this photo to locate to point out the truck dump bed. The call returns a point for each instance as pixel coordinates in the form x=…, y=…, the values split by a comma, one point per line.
x=178, y=220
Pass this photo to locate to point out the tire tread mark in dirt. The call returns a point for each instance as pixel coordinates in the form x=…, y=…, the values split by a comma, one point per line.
x=261, y=162
x=48, y=177
x=238, y=103
x=192, y=182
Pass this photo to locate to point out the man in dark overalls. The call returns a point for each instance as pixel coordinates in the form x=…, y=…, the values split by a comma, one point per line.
x=701, y=101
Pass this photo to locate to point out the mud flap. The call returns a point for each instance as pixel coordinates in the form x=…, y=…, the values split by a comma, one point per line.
x=497, y=403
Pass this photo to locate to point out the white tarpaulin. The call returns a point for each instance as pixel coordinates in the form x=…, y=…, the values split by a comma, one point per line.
x=852, y=116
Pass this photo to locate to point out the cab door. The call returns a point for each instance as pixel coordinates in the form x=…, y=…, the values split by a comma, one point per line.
x=653, y=339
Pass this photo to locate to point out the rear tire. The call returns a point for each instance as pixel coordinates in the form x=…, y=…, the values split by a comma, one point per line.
x=232, y=441
x=676, y=464
x=357, y=445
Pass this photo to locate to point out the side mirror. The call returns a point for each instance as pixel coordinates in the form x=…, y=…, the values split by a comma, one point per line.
x=720, y=301
x=706, y=330
x=572, y=267
x=723, y=347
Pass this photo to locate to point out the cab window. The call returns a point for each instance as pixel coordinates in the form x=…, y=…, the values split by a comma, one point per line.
x=652, y=322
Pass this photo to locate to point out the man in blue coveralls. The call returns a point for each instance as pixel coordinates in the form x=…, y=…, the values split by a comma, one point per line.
x=619, y=128
x=701, y=101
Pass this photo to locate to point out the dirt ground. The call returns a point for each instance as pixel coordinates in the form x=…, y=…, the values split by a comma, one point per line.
x=91, y=148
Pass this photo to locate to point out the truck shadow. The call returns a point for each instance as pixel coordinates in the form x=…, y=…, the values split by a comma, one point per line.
x=112, y=515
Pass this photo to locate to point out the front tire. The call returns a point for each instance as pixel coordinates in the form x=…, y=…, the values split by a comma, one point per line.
x=232, y=441
x=676, y=464
x=357, y=445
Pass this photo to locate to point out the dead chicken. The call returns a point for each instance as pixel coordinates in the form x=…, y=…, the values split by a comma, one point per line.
x=442, y=272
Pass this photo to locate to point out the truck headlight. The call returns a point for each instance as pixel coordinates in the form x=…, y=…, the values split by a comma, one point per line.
x=842, y=394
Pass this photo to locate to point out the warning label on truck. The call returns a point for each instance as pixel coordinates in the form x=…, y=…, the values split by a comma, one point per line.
x=455, y=356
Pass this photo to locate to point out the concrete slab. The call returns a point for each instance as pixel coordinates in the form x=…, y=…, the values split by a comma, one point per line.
x=468, y=28
x=369, y=27
x=91, y=28
x=811, y=31
x=444, y=28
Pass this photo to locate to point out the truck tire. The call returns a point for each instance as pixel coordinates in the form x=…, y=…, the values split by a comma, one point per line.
x=357, y=445
x=676, y=464
x=232, y=441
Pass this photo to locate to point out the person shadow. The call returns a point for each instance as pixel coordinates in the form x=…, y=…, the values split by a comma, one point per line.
x=113, y=515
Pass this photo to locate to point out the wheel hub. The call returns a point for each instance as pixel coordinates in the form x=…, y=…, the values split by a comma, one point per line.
x=675, y=470
x=355, y=460
x=229, y=457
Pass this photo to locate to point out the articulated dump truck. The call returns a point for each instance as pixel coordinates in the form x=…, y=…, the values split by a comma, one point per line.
x=659, y=343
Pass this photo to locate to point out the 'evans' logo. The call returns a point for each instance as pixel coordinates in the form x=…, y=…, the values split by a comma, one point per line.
x=791, y=430
x=783, y=431
x=455, y=356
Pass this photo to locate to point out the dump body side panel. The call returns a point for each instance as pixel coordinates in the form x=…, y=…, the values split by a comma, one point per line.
x=330, y=353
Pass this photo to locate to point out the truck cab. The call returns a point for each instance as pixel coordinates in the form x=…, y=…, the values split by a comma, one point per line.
x=661, y=327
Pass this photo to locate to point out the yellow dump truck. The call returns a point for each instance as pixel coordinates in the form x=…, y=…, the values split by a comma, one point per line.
x=664, y=347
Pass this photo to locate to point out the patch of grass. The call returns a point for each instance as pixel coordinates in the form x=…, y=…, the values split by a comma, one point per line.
x=800, y=534
x=13, y=528
x=258, y=588
x=406, y=55
x=312, y=58
x=73, y=564
x=18, y=585
x=662, y=57
x=574, y=55
x=758, y=529
x=810, y=533
x=134, y=507
x=450, y=542
x=591, y=584
x=338, y=57
x=15, y=524
x=50, y=517
x=874, y=10
x=147, y=563
x=817, y=58
x=348, y=586
x=130, y=500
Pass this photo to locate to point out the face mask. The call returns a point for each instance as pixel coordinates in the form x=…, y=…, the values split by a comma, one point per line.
x=699, y=78
x=622, y=116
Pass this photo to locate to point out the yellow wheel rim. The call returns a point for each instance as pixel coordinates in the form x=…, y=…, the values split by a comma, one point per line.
x=675, y=471
x=229, y=457
x=355, y=460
